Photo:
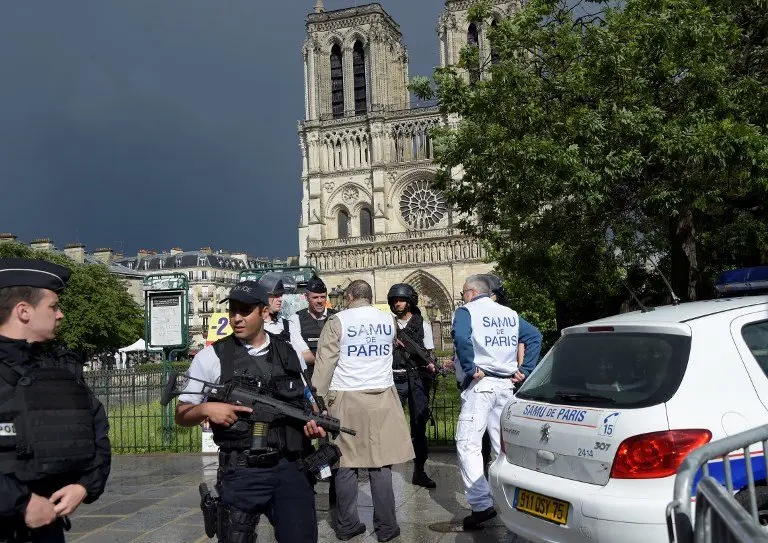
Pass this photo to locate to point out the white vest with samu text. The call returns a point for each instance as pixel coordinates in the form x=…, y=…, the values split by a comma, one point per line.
x=495, y=330
x=365, y=357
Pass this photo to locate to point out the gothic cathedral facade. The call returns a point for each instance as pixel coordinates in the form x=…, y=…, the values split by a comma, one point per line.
x=368, y=208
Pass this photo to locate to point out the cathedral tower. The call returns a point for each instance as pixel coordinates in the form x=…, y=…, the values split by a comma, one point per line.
x=369, y=210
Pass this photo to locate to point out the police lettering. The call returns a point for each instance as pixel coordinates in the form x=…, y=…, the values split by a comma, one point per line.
x=369, y=330
x=7, y=429
x=370, y=349
x=499, y=322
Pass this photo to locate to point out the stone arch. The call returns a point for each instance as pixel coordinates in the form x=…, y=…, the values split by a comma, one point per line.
x=331, y=40
x=431, y=289
x=356, y=36
x=335, y=200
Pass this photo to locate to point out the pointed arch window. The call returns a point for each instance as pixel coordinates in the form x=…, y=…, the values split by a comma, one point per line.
x=494, y=51
x=366, y=222
x=473, y=41
x=337, y=82
x=343, y=224
x=358, y=66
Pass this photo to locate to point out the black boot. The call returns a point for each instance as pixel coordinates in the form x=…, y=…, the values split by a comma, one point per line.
x=420, y=478
x=476, y=519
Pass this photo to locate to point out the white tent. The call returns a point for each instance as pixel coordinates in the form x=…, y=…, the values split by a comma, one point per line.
x=139, y=345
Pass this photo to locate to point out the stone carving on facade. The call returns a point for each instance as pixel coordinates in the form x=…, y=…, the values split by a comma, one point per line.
x=421, y=206
x=350, y=194
x=329, y=186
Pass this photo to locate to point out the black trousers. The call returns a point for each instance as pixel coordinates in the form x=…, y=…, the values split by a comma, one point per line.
x=415, y=392
x=282, y=493
x=53, y=533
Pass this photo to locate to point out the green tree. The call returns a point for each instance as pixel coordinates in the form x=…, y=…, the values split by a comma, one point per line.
x=600, y=140
x=99, y=314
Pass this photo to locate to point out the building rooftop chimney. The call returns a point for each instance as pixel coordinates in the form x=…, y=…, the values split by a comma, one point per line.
x=41, y=244
x=104, y=254
x=7, y=237
x=75, y=251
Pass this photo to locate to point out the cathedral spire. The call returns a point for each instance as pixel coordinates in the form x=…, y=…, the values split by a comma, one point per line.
x=319, y=8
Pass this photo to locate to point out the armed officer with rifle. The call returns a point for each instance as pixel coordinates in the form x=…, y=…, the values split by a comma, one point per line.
x=261, y=451
x=413, y=370
x=54, y=435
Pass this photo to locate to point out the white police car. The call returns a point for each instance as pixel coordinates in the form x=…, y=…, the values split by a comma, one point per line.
x=594, y=437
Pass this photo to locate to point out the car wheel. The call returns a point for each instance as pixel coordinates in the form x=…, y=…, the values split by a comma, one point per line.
x=761, y=495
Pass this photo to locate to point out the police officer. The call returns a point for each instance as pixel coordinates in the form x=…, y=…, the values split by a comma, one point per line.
x=54, y=443
x=353, y=369
x=485, y=336
x=306, y=324
x=273, y=323
x=412, y=374
x=258, y=470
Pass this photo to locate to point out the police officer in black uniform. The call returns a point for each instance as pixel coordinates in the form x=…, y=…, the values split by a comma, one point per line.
x=275, y=287
x=258, y=471
x=413, y=376
x=54, y=443
x=306, y=324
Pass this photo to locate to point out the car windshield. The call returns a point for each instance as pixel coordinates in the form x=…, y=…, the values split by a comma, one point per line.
x=613, y=369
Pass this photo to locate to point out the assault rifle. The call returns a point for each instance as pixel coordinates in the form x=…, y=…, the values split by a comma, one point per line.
x=246, y=391
x=417, y=353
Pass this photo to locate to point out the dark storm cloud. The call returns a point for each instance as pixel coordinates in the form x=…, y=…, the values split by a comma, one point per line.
x=154, y=123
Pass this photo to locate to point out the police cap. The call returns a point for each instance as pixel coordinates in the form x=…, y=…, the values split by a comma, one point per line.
x=272, y=282
x=249, y=293
x=317, y=286
x=27, y=272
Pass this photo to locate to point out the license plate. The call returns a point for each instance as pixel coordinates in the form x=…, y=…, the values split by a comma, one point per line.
x=541, y=506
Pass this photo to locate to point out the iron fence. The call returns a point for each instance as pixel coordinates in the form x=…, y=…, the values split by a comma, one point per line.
x=139, y=424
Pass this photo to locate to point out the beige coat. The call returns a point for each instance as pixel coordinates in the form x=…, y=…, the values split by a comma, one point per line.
x=383, y=437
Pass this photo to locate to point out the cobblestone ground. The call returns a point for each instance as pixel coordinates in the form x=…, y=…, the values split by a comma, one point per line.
x=154, y=499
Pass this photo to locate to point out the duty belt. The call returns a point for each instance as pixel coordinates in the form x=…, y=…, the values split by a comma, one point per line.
x=496, y=375
x=254, y=459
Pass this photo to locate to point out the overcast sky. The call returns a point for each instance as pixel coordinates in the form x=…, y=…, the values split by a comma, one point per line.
x=156, y=123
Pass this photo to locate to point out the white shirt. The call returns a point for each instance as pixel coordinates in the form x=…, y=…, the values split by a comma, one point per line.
x=297, y=340
x=206, y=366
x=429, y=340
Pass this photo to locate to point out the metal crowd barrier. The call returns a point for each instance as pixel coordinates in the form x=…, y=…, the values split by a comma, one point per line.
x=719, y=516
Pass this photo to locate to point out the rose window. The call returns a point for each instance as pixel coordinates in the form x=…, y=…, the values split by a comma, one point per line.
x=421, y=206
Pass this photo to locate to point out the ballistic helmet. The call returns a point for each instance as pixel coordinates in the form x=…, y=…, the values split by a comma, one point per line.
x=272, y=283
x=402, y=290
x=497, y=288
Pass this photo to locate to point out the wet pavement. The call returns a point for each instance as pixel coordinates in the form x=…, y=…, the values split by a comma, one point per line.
x=154, y=499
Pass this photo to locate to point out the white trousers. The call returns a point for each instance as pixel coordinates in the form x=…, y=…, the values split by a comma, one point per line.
x=481, y=406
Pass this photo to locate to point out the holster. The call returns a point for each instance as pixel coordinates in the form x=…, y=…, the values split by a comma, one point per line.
x=209, y=505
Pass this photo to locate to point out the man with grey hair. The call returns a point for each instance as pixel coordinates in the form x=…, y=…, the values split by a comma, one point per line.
x=353, y=371
x=485, y=335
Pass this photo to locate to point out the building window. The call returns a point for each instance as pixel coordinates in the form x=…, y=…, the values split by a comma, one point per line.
x=473, y=41
x=343, y=224
x=204, y=274
x=205, y=325
x=191, y=275
x=366, y=222
x=205, y=306
x=494, y=51
x=337, y=82
x=358, y=65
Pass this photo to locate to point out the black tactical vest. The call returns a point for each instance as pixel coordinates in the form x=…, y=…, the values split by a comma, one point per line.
x=311, y=327
x=46, y=423
x=278, y=374
x=415, y=330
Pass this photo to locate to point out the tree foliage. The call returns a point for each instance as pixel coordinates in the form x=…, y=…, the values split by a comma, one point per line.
x=99, y=314
x=603, y=139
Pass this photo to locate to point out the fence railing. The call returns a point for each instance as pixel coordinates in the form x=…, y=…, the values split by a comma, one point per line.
x=720, y=517
x=139, y=424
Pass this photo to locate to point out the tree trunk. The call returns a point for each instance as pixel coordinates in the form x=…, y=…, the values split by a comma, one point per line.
x=682, y=242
